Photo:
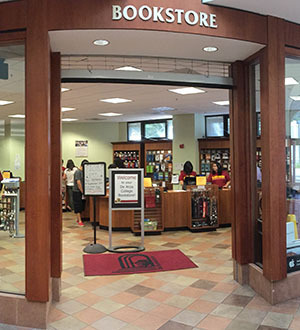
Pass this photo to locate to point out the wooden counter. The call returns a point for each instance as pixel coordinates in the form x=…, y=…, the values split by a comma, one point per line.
x=225, y=207
x=177, y=206
x=120, y=219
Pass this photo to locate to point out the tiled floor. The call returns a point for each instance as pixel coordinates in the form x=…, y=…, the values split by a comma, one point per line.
x=200, y=298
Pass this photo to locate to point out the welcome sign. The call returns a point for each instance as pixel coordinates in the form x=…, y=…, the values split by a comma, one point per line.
x=164, y=15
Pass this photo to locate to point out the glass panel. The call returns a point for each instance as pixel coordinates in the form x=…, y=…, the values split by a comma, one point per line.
x=292, y=116
x=155, y=130
x=12, y=142
x=170, y=129
x=256, y=160
x=214, y=126
x=134, y=132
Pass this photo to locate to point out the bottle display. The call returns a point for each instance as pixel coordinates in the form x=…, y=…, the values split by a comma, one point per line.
x=131, y=159
x=204, y=209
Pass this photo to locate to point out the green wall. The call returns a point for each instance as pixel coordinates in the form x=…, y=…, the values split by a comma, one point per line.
x=99, y=136
x=184, y=133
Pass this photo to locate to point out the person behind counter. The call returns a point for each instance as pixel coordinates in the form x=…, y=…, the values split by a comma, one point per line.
x=218, y=176
x=186, y=172
x=78, y=193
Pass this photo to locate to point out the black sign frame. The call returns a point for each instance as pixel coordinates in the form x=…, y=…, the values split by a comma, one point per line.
x=104, y=182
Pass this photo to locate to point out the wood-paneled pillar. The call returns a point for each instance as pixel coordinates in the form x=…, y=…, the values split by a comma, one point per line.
x=273, y=152
x=37, y=146
x=56, y=200
x=242, y=228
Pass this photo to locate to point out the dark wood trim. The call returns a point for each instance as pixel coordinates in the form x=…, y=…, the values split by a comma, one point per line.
x=292, y=34
x=56, y=201
x=37, y=153
x=273, y=152
x=13, y=37
x=242, y=237
x=91, y=14
x=292, y=51
x=13, y=15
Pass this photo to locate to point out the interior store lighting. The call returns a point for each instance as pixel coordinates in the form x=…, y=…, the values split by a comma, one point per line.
x=128, y=68
x=17, y=116
x=163, y=109
x=295, y=98
x=110, y=114
x=210, y=49
x=69, y=119
x=186, y=90
x=221, y=102
x=3, y=102
x=63, y=89
x=291, y=81
x=101, y=42
x=64, y=109
x=115, y=100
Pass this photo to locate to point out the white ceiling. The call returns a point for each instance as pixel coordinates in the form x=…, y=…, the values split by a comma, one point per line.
x=288, y=9
x=85, y=98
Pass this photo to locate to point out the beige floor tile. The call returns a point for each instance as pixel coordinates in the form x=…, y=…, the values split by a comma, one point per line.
x=107, y=306
x=180, y=301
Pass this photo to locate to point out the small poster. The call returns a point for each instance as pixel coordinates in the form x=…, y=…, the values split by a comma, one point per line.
x=94, y=179
x=81, y=148
x=126, y=188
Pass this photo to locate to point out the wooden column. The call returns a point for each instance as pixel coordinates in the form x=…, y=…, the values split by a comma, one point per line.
x=273, y=152
x=37, y=153
x=242, y=231
x=56, y=200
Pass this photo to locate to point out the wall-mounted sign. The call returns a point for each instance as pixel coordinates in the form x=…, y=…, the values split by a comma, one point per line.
x=94, y=179
x=125, y=187
x=81, y=148
x=164, y=15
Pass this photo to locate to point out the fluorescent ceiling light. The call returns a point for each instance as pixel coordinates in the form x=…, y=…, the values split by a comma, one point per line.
x=63, y=89
x=101, y=42
x=210, y=49
x=17, y=116
x=186, y=90
x=64, y=109
x=221, y=102
x=163, y=109
x=291, y=81
x=3, y=102
x=69, y=119
x=128, y=68
x=206, y=1
x=295, y=98
x=110, y=114
x=115, y=100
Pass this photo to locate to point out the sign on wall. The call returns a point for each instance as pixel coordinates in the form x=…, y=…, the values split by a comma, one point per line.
x=81, y=148
x=94, y=179
x=164, y=15
x=125, y=187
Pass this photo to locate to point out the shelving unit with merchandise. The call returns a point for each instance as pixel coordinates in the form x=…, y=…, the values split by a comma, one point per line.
x=129, y=152
x=158, y=161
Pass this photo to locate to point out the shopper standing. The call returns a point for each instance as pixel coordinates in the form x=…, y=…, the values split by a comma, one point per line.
x=69, y=179
x=219, y=176
x=78, y=192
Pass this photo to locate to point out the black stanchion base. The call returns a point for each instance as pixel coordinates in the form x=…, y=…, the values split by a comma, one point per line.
x=94, y=248
x=126, y=249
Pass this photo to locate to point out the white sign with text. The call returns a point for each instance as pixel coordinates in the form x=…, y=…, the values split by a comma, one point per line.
x=126, y=188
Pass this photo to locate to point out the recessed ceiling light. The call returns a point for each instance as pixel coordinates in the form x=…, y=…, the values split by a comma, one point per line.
x=63, y=89
x=163, y=109
x=210, y=49
x=64, y=109
x=221, y=102
x=69, y=119
x=115, y=100
x=17, y=116
x=291, y=81
x=128, y=68
x=187, y=90
x=110, y=114
x=101, y=42
x=295, y=98
x=3, y=102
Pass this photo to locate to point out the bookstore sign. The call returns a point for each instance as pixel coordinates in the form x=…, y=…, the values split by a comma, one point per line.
x=164, y=15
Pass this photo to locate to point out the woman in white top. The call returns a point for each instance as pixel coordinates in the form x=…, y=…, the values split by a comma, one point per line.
x=69, y=178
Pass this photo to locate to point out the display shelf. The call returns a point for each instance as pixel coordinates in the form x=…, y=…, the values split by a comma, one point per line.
x=130, y=152
x=158, y=161
x=153, y=212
